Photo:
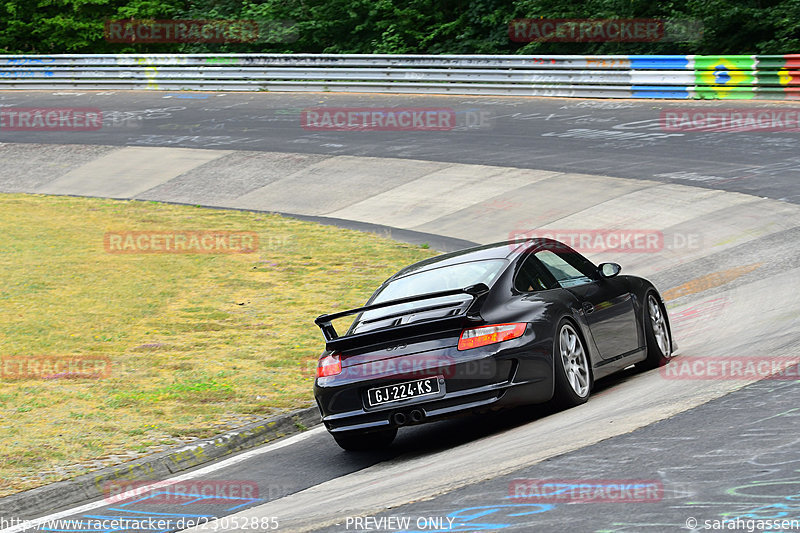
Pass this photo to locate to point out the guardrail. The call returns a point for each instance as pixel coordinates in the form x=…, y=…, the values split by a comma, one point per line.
x=630, y=76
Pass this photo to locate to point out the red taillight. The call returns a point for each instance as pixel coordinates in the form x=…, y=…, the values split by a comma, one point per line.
x=475, y=337
x=330, y=365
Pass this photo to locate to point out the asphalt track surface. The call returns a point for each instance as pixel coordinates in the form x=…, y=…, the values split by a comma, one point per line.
x=675, y=464
x=620, y=138
x=714, y=455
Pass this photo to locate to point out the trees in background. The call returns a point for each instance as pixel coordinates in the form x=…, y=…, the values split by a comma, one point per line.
x=409, y=26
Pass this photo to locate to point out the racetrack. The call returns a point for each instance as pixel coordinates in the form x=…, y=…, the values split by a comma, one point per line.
x=728, y=259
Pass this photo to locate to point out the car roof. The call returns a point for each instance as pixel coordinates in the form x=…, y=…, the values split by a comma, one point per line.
x=498, y=250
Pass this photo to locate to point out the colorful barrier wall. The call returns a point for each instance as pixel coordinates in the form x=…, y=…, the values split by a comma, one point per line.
x=630, y=76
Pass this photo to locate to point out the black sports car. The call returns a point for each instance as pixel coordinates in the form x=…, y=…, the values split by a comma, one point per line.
x=501, y=325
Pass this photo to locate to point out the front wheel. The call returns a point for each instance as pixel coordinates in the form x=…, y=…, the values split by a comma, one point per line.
x=573, y=377
x=359, y=441
x=659, y=343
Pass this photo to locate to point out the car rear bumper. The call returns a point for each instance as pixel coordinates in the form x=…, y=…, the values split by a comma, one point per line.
x=449, y=405
x=483, y=378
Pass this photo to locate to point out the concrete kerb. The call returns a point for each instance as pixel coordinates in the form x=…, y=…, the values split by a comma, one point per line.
x=159, y=466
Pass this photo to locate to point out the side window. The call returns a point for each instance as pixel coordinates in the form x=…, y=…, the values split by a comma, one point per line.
x=565, y=273
x=531, y=277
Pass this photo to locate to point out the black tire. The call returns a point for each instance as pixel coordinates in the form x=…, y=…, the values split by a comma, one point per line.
x=359, y=441
x=572, y=386
x=656, y=333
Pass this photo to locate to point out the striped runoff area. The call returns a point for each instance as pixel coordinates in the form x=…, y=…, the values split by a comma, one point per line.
x=478, y=203
x=770, y=77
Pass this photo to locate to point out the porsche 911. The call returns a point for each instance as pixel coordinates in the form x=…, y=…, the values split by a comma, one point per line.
x=496, y=326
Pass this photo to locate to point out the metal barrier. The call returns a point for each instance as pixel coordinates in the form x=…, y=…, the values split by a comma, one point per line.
x=629, y=76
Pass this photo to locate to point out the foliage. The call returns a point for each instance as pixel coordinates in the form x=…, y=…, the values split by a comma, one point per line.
x=398, y=26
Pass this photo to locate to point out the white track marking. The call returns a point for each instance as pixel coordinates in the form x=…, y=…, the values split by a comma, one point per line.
x=171, y=481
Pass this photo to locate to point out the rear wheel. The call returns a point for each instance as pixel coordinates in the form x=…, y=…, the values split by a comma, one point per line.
x=659, y=343
x=359, y=441
x=573, y=377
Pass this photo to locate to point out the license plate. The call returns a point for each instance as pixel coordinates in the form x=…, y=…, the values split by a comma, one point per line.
x=402, y=391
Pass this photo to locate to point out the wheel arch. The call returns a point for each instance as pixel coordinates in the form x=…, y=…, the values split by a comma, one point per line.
x=640, y=288
x=591, y=349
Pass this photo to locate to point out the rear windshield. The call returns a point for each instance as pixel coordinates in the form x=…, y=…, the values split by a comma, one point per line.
x=439, y=279
x=443, y=278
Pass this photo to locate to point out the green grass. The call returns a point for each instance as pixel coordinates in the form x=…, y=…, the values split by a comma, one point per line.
x=198, y=343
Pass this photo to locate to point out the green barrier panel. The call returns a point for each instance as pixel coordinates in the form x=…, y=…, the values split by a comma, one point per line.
x=725, y=77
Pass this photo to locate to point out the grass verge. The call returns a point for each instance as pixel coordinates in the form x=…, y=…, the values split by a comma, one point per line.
x=197, y=343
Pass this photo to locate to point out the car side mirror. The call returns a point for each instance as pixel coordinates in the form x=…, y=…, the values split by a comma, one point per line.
x=609, y=270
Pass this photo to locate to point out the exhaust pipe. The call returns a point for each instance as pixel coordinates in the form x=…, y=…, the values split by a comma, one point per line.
x=399, y=419
x=416, y=416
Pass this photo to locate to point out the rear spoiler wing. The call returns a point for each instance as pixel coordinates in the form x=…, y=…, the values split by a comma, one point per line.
x=329, y=332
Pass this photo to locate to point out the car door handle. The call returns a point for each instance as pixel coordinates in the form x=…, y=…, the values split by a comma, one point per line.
x=588, y=308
